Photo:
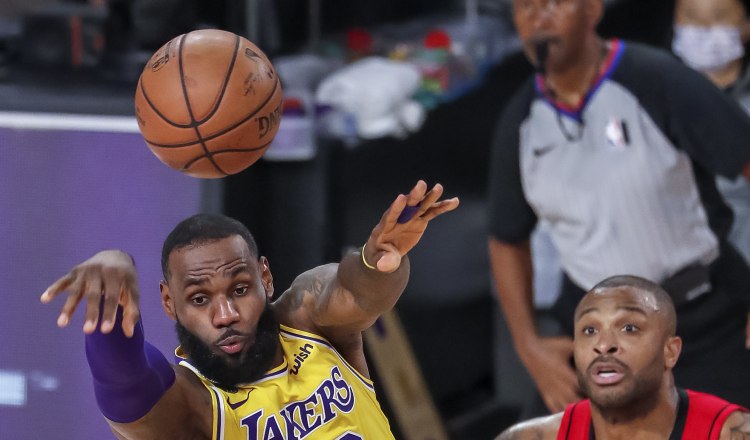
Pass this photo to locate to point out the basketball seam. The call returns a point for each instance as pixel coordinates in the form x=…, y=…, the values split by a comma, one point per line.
x=156, y=110
x=190, y=113
x=224, y=130
x=231, y=150
x=225, y=83
x=151, y=104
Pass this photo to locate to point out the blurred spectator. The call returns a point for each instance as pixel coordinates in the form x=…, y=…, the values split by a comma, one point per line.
x=711, y=36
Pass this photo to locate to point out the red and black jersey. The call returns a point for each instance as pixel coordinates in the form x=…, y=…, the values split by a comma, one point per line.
x=700, y=416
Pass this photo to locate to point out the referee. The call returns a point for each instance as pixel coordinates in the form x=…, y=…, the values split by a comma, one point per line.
x=615, y=146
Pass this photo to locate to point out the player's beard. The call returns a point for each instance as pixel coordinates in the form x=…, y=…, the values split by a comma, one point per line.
x=229, y=371
x=629, y=399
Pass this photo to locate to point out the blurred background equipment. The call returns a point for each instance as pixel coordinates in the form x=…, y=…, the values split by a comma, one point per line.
x=64, y=35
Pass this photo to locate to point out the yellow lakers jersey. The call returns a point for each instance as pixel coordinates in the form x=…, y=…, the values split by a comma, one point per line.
x=313, y=394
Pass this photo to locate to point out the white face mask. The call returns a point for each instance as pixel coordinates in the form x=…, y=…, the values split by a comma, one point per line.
x=707, y=48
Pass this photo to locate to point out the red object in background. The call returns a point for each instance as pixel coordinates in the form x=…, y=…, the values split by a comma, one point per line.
x=434, y=61
x=437, y=39
x=293, y=106
x=359, y=43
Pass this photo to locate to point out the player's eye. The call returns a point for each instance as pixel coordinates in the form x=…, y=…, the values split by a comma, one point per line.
x=588, y=331
x=199, y=300
x=240, y=290
x=630, y=328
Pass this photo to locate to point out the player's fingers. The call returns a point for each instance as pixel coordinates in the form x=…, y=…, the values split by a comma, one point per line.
x=57, y=287
x=393, y=212
x=74, y=297
x=433, y=195
x=440, y=207
x=430, y=198
x=112, y=292
x=92, y=293
x=389, y=261
x=419, y=201
x=413, y=202
x=130, y=312
x=417, y=193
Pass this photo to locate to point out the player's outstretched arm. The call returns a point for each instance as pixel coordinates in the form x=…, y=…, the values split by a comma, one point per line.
x=737, y=426
x=136, y=388
x=347, y=298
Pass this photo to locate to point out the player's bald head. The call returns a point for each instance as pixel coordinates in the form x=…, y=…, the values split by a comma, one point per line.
x=663, y=307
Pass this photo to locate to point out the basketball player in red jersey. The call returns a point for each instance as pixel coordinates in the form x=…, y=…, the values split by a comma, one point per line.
x=625, y=347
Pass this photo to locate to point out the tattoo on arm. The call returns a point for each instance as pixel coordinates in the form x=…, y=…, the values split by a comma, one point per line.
x=740, y=428
x=314, y=285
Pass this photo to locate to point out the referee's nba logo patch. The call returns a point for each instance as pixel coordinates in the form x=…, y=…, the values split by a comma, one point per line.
x=616, y=132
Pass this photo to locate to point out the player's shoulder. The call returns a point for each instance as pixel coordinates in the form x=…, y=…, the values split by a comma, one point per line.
x=540, y=428
x=737, y=425
x=294, y=307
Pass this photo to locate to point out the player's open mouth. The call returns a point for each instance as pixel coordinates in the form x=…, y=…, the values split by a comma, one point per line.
x=607, y=374
x=232, y=344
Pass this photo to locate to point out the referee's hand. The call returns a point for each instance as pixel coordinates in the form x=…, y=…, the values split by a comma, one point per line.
x=548, y=360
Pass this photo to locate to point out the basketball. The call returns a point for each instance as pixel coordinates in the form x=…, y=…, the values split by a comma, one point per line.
x=208, y=103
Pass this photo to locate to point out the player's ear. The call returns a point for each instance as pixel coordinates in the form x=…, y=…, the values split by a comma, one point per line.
x=672, y=349
x=594, y=11
x=166, y=300
x=266, y=277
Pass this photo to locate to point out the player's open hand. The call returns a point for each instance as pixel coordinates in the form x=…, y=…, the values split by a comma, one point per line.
x=403, y=224
x=106, y=280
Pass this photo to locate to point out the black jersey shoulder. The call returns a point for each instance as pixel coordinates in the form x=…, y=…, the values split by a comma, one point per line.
x=694, y=114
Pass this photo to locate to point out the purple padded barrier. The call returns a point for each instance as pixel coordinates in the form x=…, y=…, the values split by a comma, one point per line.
x=63, y=196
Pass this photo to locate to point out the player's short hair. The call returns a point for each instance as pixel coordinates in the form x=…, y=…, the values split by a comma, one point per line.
x=663, y=300
x=204, y=228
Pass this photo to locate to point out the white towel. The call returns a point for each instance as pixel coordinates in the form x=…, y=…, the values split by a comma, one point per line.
x=377, y=92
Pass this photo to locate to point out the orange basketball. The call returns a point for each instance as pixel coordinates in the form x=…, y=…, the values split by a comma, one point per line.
x=208, y=103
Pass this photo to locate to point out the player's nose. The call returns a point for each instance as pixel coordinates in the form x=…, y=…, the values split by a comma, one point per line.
x=225, y=312
x=606, y=343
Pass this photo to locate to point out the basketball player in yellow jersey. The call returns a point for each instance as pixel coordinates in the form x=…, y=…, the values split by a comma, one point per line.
x=249, y=368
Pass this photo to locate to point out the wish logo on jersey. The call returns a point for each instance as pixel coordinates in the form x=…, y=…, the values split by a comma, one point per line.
x=299, y=419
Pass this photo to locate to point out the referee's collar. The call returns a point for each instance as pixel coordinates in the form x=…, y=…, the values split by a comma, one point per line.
x=616, y=48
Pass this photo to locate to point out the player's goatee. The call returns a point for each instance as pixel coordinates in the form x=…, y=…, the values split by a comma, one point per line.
x=247, y=366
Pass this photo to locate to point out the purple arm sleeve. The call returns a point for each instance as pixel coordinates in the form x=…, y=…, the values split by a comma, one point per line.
x=130, y=375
